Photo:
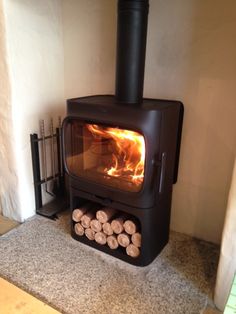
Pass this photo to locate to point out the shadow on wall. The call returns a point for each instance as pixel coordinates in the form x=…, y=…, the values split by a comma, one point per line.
x=191, y=57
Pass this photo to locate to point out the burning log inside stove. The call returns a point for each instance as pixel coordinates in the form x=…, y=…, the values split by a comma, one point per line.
x=128, y=152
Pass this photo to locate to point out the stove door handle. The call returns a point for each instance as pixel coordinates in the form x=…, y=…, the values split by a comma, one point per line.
x=163, y=173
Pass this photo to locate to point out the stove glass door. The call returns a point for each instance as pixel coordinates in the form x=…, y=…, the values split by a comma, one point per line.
x=106, y=155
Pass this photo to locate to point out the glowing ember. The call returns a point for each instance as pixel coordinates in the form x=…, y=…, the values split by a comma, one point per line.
x=128, y=152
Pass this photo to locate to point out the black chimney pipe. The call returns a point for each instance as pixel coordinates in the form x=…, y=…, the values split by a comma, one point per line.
x=131, y=48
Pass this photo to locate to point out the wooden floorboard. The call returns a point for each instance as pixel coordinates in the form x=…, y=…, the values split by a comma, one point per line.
x=17, y=301
x=6, y=224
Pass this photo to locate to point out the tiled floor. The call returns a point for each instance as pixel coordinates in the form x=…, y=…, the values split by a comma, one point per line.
x=15, y=301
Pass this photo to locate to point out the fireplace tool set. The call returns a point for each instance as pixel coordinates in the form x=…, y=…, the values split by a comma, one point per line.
x=48, y=170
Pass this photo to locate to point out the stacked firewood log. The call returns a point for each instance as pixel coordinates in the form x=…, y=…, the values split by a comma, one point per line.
x=108, y=226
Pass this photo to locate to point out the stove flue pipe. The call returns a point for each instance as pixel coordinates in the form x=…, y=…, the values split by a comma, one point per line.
x=131, y=49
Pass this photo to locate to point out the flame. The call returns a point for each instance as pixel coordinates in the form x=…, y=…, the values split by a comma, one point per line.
x=128, y=153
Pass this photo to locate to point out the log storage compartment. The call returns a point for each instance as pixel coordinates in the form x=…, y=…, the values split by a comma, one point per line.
x=105, y=226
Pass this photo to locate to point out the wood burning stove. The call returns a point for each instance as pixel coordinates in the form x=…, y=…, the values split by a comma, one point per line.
x=121, y=154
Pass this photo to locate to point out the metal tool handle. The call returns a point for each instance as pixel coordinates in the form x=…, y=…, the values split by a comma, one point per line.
x=60, y=141
x=52, y=149
x=44, y=150
x=42, y=130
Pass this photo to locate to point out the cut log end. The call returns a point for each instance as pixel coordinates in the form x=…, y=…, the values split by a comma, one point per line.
x=107, y=229
x=136, y=239
x=95, y=225
x=90, y=234
x=100, y=238
x=130, y=227
x=112, y=242
x=79, y=230
x=132, y=250
x=86, y=219
x=123, y=239
x=105, y=214
x=117, y=225
x=77, y=214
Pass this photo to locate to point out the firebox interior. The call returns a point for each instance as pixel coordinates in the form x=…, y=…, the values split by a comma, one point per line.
x=106, y=155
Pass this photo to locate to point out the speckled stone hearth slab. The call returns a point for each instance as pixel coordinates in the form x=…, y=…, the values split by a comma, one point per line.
x=41, y=257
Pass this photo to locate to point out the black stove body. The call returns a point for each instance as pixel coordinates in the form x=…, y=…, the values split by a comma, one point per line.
x=156, y=123
x=159, y=121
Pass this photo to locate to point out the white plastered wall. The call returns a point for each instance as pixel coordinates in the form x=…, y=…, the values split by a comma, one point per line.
x=36, y=65
x=191, y=56
x=9, y=202
x=89, y=29
x=227, y=263
x=191, y=52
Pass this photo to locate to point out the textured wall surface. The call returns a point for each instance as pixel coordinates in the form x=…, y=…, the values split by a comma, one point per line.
x=8, y=179
x=191, y=57
x=89, y=29
x=227, y=263
x=36, y=63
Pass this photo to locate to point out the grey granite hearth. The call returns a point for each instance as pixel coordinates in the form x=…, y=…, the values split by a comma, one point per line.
x=41, y=257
